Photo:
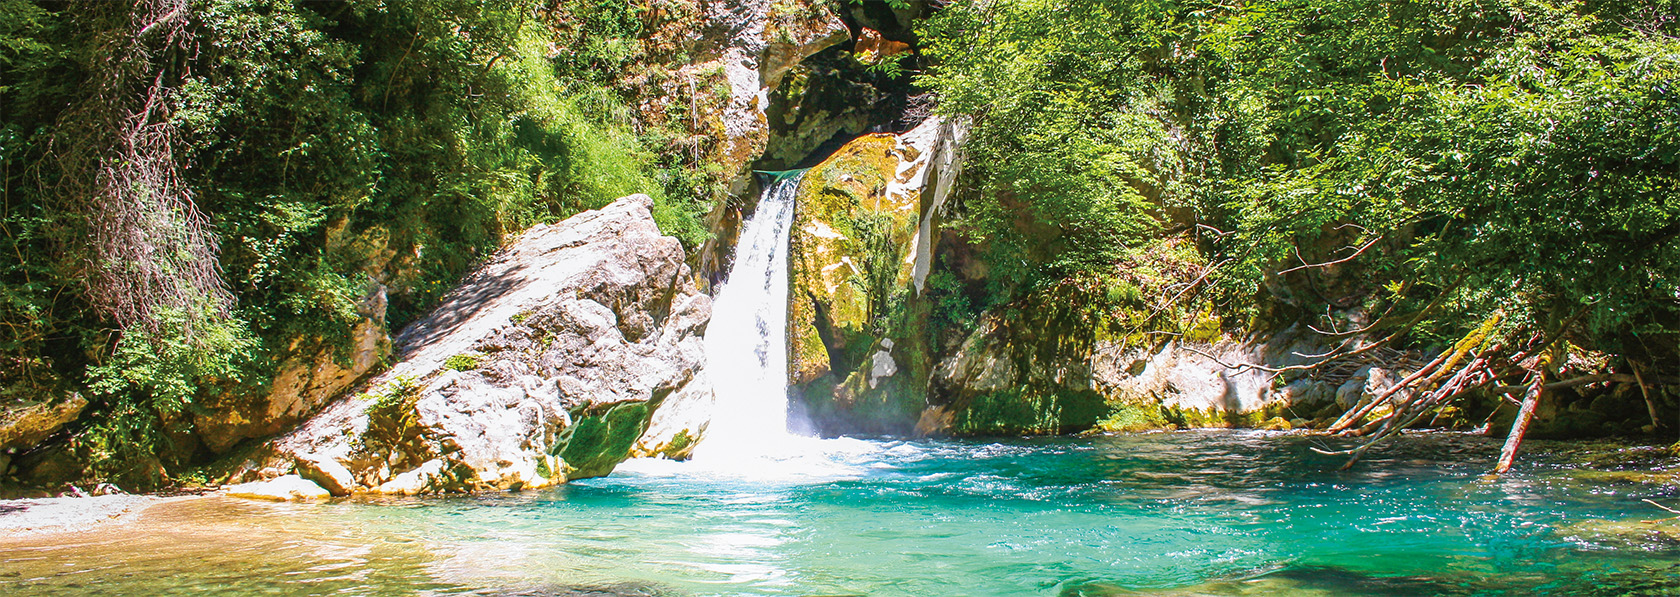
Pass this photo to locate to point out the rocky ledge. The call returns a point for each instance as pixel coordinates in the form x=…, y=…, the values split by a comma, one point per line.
x=545, y=365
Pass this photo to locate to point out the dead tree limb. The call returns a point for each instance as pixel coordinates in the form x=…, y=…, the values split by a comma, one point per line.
x=1650, y=407
x=1355, y=255
x=1446, y=362
x=1519, y=427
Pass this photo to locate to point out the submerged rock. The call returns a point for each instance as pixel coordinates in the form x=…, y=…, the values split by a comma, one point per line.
x=544, y=365
x=1650, y=534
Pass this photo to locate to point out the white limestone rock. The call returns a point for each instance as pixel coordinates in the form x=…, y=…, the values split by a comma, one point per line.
x=286, y=488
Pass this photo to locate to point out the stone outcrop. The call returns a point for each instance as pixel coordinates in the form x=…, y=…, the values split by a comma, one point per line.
x=711, y=69
x=871, y=48
x=726, y=57
x=307, y=380
x=858, y=348
x=1027, y=378
x=24, y=425
x=680, y=423
x=312, y=371
x=544, y=365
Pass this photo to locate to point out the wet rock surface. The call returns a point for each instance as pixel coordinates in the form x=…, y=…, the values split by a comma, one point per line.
x=286, y=488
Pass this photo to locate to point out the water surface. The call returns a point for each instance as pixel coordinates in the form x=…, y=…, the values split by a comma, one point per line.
x=1207, y=512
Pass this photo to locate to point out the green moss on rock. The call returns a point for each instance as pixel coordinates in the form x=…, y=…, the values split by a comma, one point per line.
x=848, y=296
x=600, y=439
x=1027, y=410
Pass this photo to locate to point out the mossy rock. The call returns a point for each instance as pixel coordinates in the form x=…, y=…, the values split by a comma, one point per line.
x=600, y=438
x=849, y=249
x=1027, y=410
x=1131, y=418
x=1654, y=534
x=847, y=252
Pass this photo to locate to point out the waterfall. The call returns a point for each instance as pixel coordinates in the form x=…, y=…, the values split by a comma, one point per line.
x=746, y=341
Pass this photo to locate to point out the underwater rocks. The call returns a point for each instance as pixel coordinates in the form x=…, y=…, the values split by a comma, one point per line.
x=1655, y=534
x=545, y=365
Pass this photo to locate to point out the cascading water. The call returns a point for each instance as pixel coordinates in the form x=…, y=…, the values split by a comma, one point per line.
x=746, y=342
x=746, y=359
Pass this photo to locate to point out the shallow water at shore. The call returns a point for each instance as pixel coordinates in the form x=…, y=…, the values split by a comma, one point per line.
x=1190, y=513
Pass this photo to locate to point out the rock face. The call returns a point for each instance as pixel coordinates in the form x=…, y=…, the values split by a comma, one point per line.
x=544, y=365
x=24, y=425
x=725, y=58
x=858, y=347
x=680, y=423
x=711, y=69
x=1025, y=377
x=306, y=381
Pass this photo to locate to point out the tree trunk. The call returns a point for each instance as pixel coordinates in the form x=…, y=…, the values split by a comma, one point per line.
x=1531, y=400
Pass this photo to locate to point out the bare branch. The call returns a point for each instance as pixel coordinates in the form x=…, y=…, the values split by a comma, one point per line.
x=1355, y=254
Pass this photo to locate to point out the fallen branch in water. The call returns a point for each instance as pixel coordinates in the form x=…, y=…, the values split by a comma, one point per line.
x=1519, y=427
x=1665, y=508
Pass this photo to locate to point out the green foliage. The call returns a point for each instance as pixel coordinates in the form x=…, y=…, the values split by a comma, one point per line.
x=395, y=398
x=153, y=378
x=338, y=150
x=891, y=67
x=952, y=308
x=461, y=362
x=1494, y=155
x=1075, y=151
x=1129, y=418
x=876, y=237
x=1529, y=167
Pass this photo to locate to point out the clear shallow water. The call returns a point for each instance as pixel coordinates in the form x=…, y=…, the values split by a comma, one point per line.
x=1188, y=513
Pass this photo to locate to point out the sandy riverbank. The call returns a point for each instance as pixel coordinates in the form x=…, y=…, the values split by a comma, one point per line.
x=46, y=516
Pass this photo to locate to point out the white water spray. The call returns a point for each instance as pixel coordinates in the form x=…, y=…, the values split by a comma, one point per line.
x=746, y=360
x=746, y=342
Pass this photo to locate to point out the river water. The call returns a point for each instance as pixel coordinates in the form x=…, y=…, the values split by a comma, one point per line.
x=1192, y=513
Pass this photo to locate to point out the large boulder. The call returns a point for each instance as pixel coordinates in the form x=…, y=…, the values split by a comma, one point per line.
x=545, y=365
x=23, y=425
x=859, y=351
